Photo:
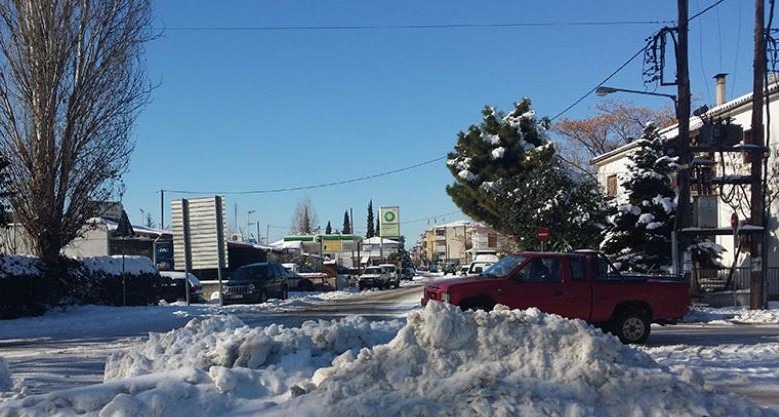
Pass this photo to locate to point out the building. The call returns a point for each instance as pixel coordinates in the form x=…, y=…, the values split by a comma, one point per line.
x=719, y=180
x=457, y=243
x=715, y=196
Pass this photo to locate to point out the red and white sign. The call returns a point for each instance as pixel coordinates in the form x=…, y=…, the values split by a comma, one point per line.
x=542, y=233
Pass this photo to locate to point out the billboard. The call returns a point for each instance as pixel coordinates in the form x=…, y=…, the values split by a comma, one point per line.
x=389, y=222
x=198, y=231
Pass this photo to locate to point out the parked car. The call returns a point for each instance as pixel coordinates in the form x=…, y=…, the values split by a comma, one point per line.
x=256, y=283
x=173, y=287
x=578, y=285
x=464, y=269
x=394, y=279
x=302, y=278
x=374, y=277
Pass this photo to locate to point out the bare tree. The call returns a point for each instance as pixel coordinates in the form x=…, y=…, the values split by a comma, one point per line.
x=304, y=219
x=71, y=86
x=616, y=124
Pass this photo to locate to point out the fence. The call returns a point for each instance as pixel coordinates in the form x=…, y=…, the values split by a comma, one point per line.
x=715, y=280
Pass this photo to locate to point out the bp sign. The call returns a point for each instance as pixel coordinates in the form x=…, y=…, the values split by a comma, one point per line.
x=390, y=224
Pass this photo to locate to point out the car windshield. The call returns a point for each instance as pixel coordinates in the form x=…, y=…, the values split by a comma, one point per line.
x=503, y=267
x=373, y=271
x=250, y=273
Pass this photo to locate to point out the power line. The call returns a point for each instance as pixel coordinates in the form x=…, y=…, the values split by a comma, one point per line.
x=640, y=51
x=621, y=67
x=310, y=187
x=408, y=27
x=430, y=217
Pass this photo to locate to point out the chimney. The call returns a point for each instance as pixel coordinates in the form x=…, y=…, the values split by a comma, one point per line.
x=720, y=88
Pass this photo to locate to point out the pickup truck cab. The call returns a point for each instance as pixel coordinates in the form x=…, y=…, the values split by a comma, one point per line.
x=578, y=285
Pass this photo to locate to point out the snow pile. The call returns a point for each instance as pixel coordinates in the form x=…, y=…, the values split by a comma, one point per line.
x=118, y=264
x=443, y=362
x=225, y=341
x=505, y=363
x=19, y=265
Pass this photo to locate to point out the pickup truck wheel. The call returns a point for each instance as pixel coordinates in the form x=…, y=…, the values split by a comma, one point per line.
x=263, y=297
x=305, y=285
x=632, y=327
x=285, y=293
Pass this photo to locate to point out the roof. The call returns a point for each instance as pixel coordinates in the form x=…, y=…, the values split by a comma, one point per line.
x=378, y=240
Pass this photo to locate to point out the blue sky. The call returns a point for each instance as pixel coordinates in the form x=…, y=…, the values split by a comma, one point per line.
x=242, y=105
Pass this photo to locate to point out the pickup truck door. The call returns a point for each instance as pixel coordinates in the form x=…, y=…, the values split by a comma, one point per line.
x=546, y=282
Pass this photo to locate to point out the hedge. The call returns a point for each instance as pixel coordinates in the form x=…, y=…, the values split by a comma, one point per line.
x=27, y=288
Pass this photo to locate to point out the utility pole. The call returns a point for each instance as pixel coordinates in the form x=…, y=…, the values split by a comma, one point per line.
x=683, y=211
x=162, y=209
x=756, y=242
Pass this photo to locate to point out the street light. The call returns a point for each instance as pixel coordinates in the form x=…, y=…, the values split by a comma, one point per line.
x=249, y=221
x=603, y=90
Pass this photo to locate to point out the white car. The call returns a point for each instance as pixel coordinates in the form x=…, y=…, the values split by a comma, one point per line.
x=394, y=279
x=375, y=277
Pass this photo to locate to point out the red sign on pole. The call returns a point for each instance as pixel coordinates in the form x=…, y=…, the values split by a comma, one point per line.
x=542, y=233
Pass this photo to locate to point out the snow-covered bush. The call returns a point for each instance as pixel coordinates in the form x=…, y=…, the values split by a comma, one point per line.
x=27, y=288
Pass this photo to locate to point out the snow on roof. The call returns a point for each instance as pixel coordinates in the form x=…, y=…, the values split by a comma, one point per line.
x=118, y=264
x=112, y=225
x=378, y=240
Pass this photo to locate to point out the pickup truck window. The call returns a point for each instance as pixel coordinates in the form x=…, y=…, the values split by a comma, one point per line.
x=540, y=270
x=503, y=267
x=578, y=272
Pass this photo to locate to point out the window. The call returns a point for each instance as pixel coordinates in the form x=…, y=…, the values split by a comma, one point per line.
x=577, y=268
x=540, y=270
x=611, y=186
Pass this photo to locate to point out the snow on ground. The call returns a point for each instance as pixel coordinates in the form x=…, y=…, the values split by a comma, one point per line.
x=440, y=362
x=202, y=360
x=734, y=315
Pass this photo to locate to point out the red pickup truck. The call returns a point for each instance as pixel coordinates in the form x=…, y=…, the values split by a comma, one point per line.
x=582, y=285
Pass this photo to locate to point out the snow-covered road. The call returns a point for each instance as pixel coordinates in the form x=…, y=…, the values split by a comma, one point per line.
x=68, y=349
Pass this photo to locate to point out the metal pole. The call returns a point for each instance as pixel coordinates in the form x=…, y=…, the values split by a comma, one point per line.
x=162, y=209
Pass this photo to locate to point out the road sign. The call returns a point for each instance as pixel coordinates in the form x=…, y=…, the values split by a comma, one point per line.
x=542, y=234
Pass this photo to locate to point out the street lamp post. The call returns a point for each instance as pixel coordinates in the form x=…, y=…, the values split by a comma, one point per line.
x=249, y=221
x=604, y=91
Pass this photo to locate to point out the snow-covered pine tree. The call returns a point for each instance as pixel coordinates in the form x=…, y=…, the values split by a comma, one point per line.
x=508, y=175
x=489, y=152
x=641, y=219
